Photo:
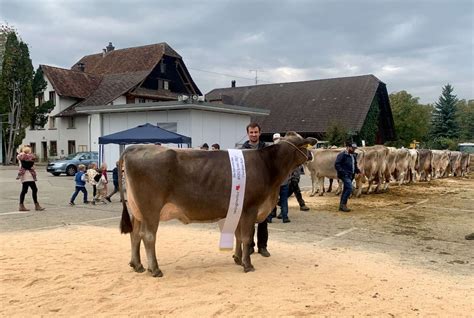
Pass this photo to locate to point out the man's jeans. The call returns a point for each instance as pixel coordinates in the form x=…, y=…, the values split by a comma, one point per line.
x=282, y=202
x=346, y=193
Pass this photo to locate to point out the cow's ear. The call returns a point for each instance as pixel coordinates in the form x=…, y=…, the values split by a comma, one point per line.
x=310, y=141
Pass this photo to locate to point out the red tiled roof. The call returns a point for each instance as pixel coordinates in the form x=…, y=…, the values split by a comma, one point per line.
x=71, y=83
x=134, y=59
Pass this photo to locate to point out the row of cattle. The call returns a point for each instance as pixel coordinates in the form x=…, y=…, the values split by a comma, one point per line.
x=379, y=165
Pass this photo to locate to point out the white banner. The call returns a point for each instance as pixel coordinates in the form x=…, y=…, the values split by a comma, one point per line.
x=237, y=165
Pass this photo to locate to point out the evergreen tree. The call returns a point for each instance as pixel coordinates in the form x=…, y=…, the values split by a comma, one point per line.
x=337, y=135
x=465, y=118
x=445, y=124
x=40, y=114
x=16, y=94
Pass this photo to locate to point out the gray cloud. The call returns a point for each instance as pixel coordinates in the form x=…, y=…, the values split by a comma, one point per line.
x=417, y=46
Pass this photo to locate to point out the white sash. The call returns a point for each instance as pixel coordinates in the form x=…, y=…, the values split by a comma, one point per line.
x=237, y=164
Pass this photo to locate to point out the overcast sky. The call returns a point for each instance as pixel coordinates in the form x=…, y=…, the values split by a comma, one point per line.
x=411, y=45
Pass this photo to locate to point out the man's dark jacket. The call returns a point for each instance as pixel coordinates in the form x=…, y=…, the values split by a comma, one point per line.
x=260, y=145
x=343, y=165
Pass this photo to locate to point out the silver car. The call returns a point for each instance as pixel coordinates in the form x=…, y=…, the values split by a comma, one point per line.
x=69, y=164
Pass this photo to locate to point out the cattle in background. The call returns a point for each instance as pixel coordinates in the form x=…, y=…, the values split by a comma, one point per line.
x=455, y=163
x=465, y=161
x=440, y=163
x=412, y=164
x=372, y=166
x=195, y=186
x=424, y=165
x=390, y=164
x=401, y=165
x=322, y=166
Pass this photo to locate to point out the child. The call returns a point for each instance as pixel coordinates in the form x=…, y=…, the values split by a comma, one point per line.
x=80, y=179
x=102, y=184
x=27, y=160
x=90, y=174
x=115, y=180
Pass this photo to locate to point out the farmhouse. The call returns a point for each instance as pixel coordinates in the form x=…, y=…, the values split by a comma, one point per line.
x=360, y=104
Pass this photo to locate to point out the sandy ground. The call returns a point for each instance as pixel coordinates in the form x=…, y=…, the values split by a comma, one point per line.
x=83, y=271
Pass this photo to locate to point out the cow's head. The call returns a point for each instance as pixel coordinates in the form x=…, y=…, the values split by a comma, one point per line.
x=300, y=144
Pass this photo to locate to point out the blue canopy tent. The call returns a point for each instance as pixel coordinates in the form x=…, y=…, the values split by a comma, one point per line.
x=142, y=134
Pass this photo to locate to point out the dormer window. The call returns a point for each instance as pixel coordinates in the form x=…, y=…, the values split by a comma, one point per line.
x=163, y=84
x=52, y=97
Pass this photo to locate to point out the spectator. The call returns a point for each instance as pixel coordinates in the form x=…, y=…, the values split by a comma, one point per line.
x=115, y=180
x=215, y=147
x=205, y=146
x=90, y=178
x=102, y=182
x=28, y=181
x=254, y=142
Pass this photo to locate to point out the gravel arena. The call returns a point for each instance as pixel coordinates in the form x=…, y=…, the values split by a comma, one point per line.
x=400, y=253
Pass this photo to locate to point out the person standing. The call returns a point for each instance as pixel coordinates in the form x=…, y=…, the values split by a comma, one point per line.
x=28, y=181
x=115, y=181
x=294, y=187
x=80, y=180
x=282, y=195
x=254, y=142
x=90, y=175
x=346, y=167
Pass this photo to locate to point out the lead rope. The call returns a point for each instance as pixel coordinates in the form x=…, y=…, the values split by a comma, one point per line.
x=281, y=140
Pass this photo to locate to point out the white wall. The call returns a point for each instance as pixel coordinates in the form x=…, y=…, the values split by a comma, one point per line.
x=202, y=126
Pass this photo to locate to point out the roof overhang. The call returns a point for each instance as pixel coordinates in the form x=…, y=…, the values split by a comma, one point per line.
x=174, y=105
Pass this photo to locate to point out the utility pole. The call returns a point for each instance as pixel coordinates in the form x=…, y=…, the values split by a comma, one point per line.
x=256, y=75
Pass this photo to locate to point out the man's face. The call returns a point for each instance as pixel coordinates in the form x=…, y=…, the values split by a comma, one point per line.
x=350, y=150
x=253, y=134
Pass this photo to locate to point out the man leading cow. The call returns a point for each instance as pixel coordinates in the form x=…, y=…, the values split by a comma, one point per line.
x=346, y=167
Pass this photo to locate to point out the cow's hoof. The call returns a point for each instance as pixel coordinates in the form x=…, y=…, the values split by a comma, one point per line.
x=312, y=194
x=137, y=268
x=321, y=194
x=237, y=260
x=249, y=269
x=156, y=272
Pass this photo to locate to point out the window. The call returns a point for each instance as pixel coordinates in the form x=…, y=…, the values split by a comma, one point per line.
x=83, y=148
x=162, y=67
x=53, y=148
x=40, y=98
x=33, y=147
x=71, y=123
x=173, y=127
x=142, y=100
x=166, y=85
x=52, y=97
x=52, y=122
x=71, y=146
x=163, y=84
x=130, y=100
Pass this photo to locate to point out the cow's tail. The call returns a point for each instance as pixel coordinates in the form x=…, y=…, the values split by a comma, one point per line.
x=125, y=223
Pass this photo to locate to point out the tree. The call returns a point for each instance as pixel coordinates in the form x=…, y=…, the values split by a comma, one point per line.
x=337, y=134
x=465, y=119
x=444, y=120
x=412, y=120
x=16, y=94
x=40, y=114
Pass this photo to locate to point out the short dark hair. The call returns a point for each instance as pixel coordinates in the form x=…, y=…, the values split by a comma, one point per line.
x=216, y=146
x=253, y=125
x=205, y=146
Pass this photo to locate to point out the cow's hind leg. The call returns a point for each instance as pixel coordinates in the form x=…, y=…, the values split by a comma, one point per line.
x=149, y=229
x=135, y=239
x=238, y=247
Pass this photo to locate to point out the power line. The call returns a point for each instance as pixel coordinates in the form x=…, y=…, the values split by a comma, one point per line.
x=228, y=75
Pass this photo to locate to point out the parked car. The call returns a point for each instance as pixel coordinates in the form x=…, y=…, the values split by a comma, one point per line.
x=69, y=164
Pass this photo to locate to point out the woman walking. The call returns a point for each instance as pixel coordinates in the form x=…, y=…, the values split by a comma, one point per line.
x=28, y=181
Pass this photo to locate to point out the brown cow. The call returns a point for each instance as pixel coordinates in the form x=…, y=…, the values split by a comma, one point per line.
x=195, y=186
x=424, y=164
x=322, y=166
x=465, y=160
x=371, y=162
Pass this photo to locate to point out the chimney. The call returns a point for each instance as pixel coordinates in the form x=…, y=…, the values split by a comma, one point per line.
x=232, y=84
x=110, y=47
x=81, y=66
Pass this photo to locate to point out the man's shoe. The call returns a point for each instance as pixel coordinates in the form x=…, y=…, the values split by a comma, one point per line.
x=287, y=220
x=469, y=236
x=264, y=252
x=108, y=199
x=279, y=216
x=304, y=208
x=71, y=203
x=344, y=208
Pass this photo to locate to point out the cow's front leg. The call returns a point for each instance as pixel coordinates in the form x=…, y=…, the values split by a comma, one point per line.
x=247, y=226
x=149, y=229
x=135, y=239
x=238, y=247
